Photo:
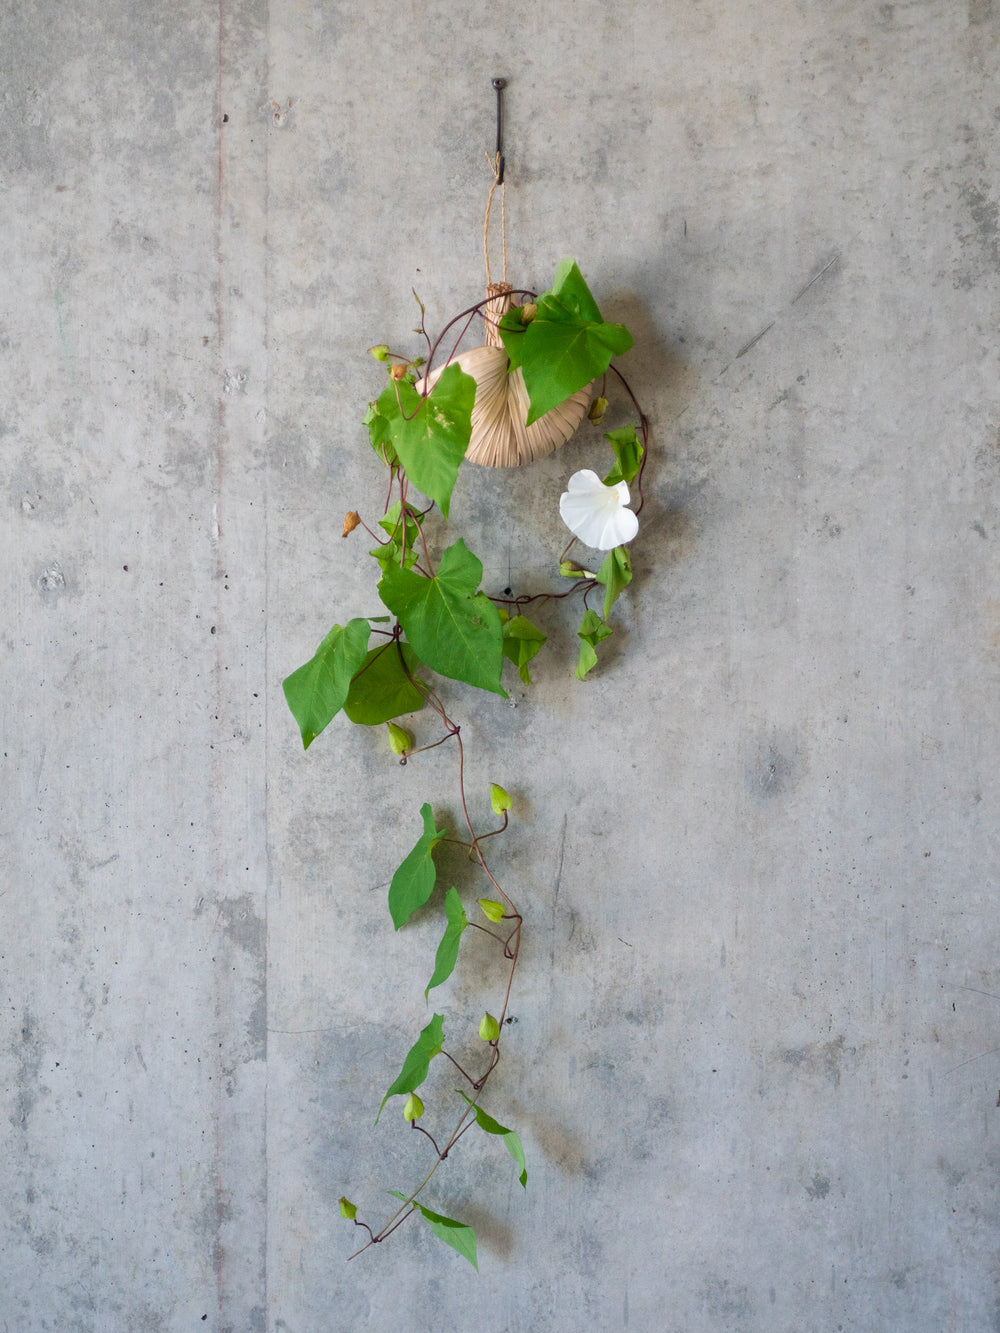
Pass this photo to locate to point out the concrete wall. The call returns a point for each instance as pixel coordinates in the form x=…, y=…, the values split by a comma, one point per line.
x=755, y=1061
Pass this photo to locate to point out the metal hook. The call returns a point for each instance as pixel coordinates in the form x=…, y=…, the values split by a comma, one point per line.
x=500, y=85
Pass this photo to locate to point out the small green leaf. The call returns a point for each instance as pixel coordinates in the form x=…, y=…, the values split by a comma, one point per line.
x=615, y=574
x=492, y=910
x=628, y=453
x=348, y=1209
x=430, y=436
x=413, y=883
x=512, y=331
x=447, y=951
x=454, y=629
x=378, y=435
x=417, y=1064
x=511, y=1140
x=521, y=642
x=316, y=692
x=382, y=690
x=566, y=345
x=456, y=1234
x=591, y=632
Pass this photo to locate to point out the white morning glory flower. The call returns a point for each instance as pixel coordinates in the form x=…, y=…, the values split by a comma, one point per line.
x=596, y=513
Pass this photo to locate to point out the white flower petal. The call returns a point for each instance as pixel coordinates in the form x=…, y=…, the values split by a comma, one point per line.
x=596, y=513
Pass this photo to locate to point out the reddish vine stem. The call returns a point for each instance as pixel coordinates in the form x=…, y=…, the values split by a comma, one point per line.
x=452, y=730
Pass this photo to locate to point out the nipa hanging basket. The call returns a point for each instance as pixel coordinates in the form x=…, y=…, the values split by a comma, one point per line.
x=499, y=436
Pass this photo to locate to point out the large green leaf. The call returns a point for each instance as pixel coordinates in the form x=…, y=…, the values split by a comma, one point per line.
x=382, y=690
x=447, y=951
x=566, y=345
x=615, y=574
x=456, y=1234
x=430, y=436
x=316, y=691
x=591, y=632
x=511, y=1140
x=521, y=641
x=628, y=455
x=417, y=1064
x=413, y=883
x=454, y=629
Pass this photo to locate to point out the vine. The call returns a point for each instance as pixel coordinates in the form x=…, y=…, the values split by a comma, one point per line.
x=440, y=621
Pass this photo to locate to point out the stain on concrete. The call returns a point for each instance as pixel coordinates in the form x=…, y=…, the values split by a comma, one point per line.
x=953, y=1176
x=26, y=1048
x=241, y=925
x=984, y=236
x=824, y=1061
x=727, y=1300
x=818, y=1187
x=772, y=770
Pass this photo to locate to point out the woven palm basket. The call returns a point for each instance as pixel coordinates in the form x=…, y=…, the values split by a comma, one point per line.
x=499, y=436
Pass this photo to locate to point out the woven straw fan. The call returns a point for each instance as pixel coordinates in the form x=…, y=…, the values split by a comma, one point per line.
x=499, y=436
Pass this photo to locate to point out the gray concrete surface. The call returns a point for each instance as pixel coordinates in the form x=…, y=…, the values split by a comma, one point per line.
x=755, y=1065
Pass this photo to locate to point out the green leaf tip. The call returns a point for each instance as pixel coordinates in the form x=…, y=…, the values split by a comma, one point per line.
x=615, y=574
x=511, y=1140
x=413, y=883
x=592, y=631
x=447, y=950
x=318, y=690
x=417, y=1064
x=521, y=642
x=628, y=455
x=456, y=1234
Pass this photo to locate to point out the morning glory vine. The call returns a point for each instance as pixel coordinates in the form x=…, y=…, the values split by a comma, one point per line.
x=441, y=626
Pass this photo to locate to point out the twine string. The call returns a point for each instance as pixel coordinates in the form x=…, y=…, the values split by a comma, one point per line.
x=494, y=164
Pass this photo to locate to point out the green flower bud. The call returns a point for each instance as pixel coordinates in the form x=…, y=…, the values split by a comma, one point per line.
x=348, y=1209
x=414, y=1108
x=489, y=1028
x=380, y=352
x=597, y=410
x=528, y=312
x=495, y=911
x=400, y=739
x=499, y=799
x=569, y=569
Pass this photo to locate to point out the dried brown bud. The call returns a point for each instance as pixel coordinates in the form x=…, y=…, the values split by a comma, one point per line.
x=398, y=371
x=351, y=520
